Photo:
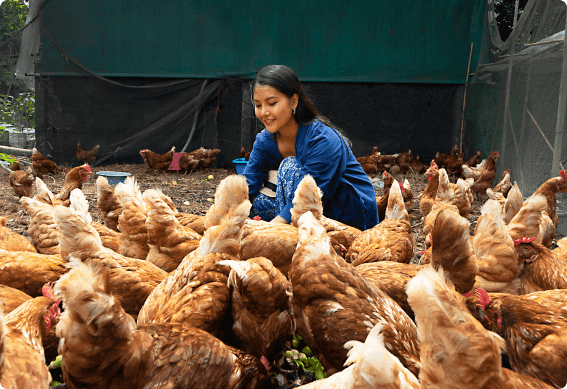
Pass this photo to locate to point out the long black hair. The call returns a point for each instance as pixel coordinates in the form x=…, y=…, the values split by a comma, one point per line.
x=286, y=81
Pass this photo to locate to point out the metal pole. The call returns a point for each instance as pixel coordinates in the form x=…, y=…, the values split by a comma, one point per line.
x=465, y=99
x=559, y=126
x=508, y=82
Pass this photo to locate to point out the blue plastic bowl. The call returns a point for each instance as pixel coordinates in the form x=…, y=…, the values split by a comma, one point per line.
x=240, y=164
x=114, y=177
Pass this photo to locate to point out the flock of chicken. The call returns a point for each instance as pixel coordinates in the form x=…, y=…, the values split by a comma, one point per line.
x=156, y=298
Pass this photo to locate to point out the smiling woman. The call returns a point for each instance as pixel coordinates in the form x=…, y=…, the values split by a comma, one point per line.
x=298, y=141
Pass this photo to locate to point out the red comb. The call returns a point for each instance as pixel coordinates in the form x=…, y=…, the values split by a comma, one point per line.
x=482, y=297
x=495, y=152
x=87, y=166
x=523, y=240
x=256, y=218
x=563, y=174
x=401, y=187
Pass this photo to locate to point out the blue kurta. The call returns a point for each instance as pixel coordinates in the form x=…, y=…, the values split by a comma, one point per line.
x=348, y=194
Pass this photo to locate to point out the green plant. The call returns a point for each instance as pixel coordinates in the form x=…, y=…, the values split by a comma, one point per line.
x=19, y=111
x=7, y=157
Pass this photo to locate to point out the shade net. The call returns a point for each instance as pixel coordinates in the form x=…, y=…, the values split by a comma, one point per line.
x=514, y=102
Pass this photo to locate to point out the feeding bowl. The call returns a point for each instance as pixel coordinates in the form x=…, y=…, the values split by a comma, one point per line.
x=114, y=178
x=240, y=164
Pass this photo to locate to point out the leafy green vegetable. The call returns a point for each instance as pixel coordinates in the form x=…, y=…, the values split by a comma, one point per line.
x=57, y=362
x=312, y=364
x=54, y=384
x=296, y=339
x=307, y=351
x=7, y=157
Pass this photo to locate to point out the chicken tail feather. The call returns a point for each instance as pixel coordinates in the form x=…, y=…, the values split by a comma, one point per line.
x=230, y=194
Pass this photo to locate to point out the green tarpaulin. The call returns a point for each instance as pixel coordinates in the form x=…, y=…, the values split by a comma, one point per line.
x=334, y=40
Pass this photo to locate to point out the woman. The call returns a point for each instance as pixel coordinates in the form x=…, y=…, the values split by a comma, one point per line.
x=298, y=141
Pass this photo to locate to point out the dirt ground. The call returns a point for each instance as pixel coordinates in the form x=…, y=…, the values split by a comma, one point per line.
x=191, y=193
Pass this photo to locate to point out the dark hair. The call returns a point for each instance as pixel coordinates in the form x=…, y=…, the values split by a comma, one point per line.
x=286, y=81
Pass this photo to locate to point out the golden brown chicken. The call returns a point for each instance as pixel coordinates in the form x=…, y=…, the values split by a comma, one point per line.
x=155, y=161
x=369, y=163
x=483, y=174
x=28, y=272
x=244, y=154
x=194, y=222
x=430, y=191
x=86, y=156
x=454, y=164
x=407, y=194
x=382, y=201
x=22, y=332
x=443, y=200
x=513, y=203
x=535, y=335
x=196, y=292
x=73, y=180
x=417, y=166
x=42, y=230
x=403, y=161
x=542, y=269
x=462, y=196
x=389, y=240
x=108, y=203
x=532, y=220
x=450, y=251
x=169, y=241
x=198, y=159
x=370, y=365
x=440, y=159
x=474, y=160
x=42, y=165
x=133, y=235
x=333, y=303
x=12, y=241
x=102, y=347
x=261, y=307
x=549, y=189
x=498, y=262
x=12, y=298
x=456, y=351
x=505, y=183
x=132, y=279
x=109, y=238
x=22, y=182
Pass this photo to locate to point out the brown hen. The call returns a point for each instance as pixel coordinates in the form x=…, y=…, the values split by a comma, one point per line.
x=169, y=241
x=108, y=203
x=132, y=279
x=333, y=303
x=22, y=333
x=390, y=240
x=155, y=161
x=22, y=182
x=102, y=347
x=42, y=165
x=86, y=156
x=12, y=241
x=261, y=307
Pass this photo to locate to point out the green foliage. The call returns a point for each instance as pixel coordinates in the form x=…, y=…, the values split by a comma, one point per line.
x=7, y=157
x=56, y=363
x=19, y=111
x=308, y=364
x=13, y=16
x=296, y=339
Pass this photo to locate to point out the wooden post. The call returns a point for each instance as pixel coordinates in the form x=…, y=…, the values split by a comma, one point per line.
x=508, y=82
x=465, y=99
x=559, y=125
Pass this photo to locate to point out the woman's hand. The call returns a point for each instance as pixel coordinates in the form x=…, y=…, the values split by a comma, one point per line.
x=278, y=220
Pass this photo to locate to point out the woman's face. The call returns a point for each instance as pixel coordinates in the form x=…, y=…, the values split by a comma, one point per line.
x=274, y=109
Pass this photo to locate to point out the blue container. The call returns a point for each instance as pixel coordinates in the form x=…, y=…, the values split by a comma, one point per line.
x=240, y=164
x=114, y=177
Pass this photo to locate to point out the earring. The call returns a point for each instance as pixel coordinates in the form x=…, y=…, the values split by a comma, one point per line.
x=293, y=111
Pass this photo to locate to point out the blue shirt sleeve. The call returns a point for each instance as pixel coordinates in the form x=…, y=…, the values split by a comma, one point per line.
x=262, y=160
